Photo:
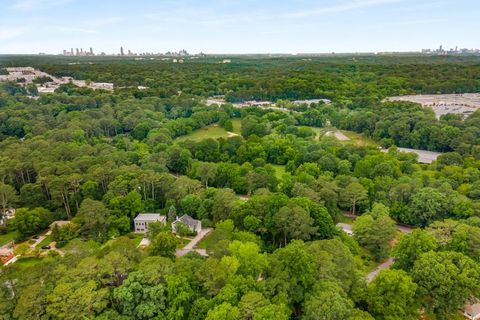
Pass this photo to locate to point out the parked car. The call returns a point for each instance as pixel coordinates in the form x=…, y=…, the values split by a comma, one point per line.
x=46, y=247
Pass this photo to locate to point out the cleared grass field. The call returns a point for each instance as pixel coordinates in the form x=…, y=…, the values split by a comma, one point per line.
x=28, y=261
x=355, y=138
x=6, y=238
x=213, y=131
x=359, y=139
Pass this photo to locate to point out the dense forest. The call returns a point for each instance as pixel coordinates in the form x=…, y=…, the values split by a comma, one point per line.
x=272, y=188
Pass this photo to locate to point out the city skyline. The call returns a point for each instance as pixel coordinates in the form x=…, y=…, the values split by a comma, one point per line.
x=80, y=52
x=231, y=26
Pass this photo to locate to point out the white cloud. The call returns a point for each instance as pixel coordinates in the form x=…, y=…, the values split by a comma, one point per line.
x=341, y=7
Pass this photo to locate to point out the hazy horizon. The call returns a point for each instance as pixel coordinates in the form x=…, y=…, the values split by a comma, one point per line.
x=237, y=27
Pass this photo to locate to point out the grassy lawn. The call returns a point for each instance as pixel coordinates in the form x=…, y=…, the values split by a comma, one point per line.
x=279, y=170
x=181, y=242
x=213, y=131
x=237, y=125
x=344, y=219
x=6, y=238
x=45, y=242
x=28, y=261
x=318, y=132
x=206, y=242
x=359, y=139
x=355, y=138
x=136, y=237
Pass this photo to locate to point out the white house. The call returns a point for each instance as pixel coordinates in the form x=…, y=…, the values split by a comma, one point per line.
x=193, y=224
x=143, y=219
x=7, y=215
x=471, y=310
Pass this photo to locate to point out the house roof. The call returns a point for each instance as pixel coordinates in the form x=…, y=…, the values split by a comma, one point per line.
x=60, y=223
x=473, y=308
x=149, y=217
x=5, y=251
x=189, y=221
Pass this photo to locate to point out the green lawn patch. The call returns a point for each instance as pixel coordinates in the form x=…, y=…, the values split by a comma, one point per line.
x=237, y=125
x=45, y=242
x=318, y=132
x=213, y=131
x=181, y=242
x=28, y=261
x=136, y=237
x=207, y=241
x=344, y=219
x=6, y=238
x=359, y=139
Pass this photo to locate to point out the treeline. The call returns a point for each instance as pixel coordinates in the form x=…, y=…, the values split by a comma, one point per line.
x=353, y=79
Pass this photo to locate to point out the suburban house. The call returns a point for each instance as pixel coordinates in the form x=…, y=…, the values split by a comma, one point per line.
x=143, y=219
x=471, y=310
x=7, y=215
x=193, y=224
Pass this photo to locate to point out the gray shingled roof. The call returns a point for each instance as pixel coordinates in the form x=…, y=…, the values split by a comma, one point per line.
x=149, y=217
x=189, y=221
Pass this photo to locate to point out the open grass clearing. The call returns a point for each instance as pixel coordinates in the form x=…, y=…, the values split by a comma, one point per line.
x=213, y=131
x=28, y=261
x=207, y=242
x=7, y=237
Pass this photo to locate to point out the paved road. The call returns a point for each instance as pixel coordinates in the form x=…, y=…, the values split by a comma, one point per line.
x=383, y=266
x=388, y=263
x=192, y=244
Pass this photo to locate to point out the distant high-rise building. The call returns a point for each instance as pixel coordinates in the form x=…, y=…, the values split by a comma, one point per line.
x=76, y=51
x=64, y=52
x=91, y=51
x=121, y=51
x=71, y=51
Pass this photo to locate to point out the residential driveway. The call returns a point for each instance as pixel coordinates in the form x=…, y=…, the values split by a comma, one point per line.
x=192, y=244
x=37, y=242
x=383, y=266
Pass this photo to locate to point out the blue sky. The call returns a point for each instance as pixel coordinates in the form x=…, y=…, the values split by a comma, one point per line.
x=237, y=26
